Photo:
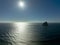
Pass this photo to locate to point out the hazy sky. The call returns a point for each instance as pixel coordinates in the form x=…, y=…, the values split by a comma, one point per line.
x=35, y=10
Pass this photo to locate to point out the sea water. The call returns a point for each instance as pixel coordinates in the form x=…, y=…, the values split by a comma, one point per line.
x=29, y=34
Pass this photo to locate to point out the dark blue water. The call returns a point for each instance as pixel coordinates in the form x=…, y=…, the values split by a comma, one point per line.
x=29, y=34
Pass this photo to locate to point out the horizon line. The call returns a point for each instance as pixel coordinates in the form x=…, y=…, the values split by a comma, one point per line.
x=28, y=21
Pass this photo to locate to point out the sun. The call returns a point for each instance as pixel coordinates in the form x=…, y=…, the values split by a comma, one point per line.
x=21, y=4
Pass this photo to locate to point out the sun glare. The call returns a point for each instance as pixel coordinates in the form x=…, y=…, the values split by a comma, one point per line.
x=21, y=4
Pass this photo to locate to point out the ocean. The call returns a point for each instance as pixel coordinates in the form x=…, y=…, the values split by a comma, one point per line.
x=20, y=33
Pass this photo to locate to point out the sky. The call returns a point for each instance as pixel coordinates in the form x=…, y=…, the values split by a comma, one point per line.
x=34, y=10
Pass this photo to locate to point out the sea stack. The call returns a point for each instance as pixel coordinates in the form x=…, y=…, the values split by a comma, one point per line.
x=45, y=24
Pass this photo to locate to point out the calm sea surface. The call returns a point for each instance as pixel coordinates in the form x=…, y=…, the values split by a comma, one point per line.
x=29, y=34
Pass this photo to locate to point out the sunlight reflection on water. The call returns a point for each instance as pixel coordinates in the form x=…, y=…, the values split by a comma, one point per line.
x=21, y=33
x=20, y=27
